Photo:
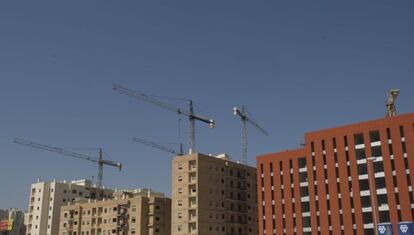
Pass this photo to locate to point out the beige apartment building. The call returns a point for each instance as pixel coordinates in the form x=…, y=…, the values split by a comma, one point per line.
x=213, y=195
x=135, y=213
x=46, y=198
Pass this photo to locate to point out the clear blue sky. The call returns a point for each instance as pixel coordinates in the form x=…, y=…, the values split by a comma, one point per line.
x=297, y=65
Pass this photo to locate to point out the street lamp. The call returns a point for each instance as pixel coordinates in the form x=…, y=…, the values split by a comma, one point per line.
x=371, y=182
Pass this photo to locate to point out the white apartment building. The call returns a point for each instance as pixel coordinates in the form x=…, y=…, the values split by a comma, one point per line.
x=46, y=199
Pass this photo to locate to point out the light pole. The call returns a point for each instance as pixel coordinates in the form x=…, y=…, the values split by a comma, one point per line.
x=371, y=180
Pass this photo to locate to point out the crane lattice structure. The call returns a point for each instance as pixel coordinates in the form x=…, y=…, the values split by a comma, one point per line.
x=192, y=117
x=101, y=162
x=392, y=97
x=160, y=146
x=242, y=113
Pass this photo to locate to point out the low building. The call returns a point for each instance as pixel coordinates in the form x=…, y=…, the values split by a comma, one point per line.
x=46, y=198
x=137, y=213
x=213, y=195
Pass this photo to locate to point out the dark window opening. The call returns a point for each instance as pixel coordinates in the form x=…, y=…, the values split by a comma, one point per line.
x=360, y=154
x=374, y=136
x=401, y=131
x=359, y=139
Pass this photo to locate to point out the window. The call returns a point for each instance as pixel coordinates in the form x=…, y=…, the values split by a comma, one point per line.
x=359, y=139
x=360, y=154
x=304, y=191
x=382, y=199
x=363, y=185
x=306, y=222
x=180, y=202
x=180, y=166
x=362, y=169
x=303, y=176
x=305, y=206
x=180, y=178
x=401, y=131
x=380, y=183
x=180, y=190
x=179, y=215
x=378, y=166
x=374, y=136
x=302, y=162
x=384, y=216
x=367, y=217
x=376, y=151
x=365, y=201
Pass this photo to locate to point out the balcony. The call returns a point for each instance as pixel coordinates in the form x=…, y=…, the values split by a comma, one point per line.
x=192, y=216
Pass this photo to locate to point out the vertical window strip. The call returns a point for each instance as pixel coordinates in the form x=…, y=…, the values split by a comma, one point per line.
x=282, y=192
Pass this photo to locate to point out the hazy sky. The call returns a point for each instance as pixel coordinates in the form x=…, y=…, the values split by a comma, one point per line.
x=298, y=66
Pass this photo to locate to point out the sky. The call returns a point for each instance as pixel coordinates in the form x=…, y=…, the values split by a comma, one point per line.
x=298, y=66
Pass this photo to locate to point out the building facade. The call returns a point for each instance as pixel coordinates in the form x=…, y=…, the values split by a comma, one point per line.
x=213, y=195
x=139, y=213
x=14, y=219
x=356, y=176
x=46, y=198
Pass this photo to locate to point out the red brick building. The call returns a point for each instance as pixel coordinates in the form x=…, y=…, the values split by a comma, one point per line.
x=330, y=185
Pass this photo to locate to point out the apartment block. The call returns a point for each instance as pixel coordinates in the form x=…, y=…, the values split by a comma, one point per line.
x=346, y=180
x=213, y=195
x=46, y=198
x=137, y=213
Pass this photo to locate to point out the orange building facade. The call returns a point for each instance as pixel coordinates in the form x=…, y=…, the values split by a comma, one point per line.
x=346, y=180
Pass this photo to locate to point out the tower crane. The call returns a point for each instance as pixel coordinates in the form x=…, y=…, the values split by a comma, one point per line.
x=192, y=117
x=159, y=146
x=242, y=113
x=101, y=162
x=392, y=97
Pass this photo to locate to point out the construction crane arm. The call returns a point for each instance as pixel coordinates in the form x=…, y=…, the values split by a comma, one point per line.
x=55, y=149
x=112, y=163
x=158, y=146
x=190, y=114
x=210, y=122
x=253, y=123
x=149, y=99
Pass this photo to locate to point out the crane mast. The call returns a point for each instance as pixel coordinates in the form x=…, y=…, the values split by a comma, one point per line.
x=192, y=117
x=242, y=114
x=159, y=146
x=99, y=160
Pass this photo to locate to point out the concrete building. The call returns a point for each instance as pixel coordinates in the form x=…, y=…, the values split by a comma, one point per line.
x=344, y=181
x=141, y=213
x=46, y=198
x=14, y=218
x=3, y=214
x=213, y=195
